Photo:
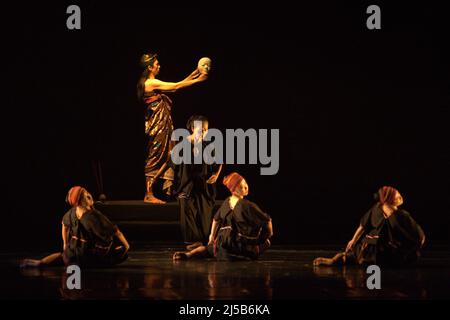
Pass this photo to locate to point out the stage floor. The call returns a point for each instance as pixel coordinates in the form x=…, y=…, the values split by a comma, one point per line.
x=282, y=273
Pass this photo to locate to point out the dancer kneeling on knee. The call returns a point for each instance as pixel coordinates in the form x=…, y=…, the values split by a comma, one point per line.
x=240, y=229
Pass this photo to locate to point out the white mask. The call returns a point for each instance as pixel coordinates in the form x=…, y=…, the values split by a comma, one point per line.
x=204, y=65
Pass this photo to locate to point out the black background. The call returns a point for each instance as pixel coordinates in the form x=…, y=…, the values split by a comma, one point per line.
x=356, y=108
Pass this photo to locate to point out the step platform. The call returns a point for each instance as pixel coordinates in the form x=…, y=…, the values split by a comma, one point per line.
x=146, y=222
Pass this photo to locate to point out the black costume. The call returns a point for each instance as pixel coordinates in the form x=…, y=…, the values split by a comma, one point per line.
x=241, y=231
x=91, y=240
x=196, y=198
x=394, y=240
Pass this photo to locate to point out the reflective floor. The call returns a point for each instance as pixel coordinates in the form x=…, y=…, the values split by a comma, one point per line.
x=282, y=273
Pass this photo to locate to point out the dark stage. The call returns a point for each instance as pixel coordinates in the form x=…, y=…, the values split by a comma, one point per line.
x=355, y=108
x=284, y=272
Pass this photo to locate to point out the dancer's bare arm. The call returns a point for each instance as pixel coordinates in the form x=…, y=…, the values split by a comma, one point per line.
x=215, y=176
x=358, y=233
x=122, y=239
x=155, y=84
x=193, y=75
x=269, y=229
x=65, y=236
x=212, y=235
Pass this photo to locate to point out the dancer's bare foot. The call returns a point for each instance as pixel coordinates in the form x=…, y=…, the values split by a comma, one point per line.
x=339, y=258
x=323, y=262
x=180, y=256
x=29, y=263
x=150, y=198
x=193, y=246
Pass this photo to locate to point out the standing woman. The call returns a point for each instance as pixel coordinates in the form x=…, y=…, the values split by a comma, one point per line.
x=158, y=121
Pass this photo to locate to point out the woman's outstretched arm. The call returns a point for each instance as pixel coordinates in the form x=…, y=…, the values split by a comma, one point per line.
x=155, y=84
x=193, y=75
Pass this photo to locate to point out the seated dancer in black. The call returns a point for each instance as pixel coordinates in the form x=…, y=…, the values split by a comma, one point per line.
x=386, y=235
x=240, y=230
x=90, y=239
x=195, y=187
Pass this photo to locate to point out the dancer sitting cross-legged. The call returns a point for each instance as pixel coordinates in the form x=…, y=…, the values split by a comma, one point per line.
x=240, y=229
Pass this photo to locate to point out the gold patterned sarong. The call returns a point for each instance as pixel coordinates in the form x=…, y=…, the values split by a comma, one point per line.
x=158, y=130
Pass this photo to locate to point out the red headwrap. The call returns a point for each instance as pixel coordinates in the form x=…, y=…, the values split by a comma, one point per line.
x=232, y=180
x=387, y=195
x=74, y=195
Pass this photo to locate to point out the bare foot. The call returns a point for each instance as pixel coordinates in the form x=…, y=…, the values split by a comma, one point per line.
x=180, y=256
x=193, y=246
x=323, y=261
x=29, y=263
x=150, y=198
